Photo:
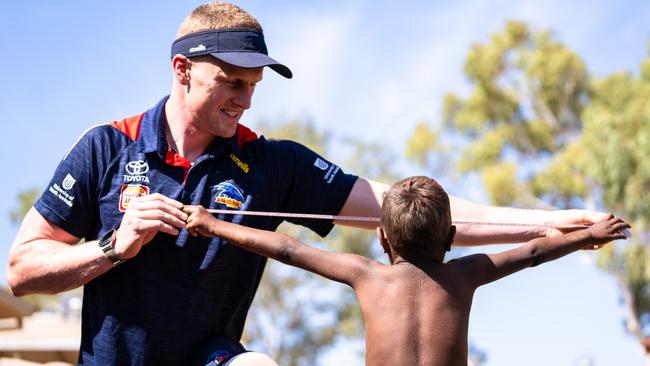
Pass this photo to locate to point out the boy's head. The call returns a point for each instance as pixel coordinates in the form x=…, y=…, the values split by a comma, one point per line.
x=416, y=219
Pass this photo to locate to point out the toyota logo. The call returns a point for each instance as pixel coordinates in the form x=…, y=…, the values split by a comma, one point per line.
x=137, y=167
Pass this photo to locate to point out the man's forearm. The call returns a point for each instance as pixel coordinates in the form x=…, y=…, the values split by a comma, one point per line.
x=489, y=224
x=366, y=197
x=48, y=267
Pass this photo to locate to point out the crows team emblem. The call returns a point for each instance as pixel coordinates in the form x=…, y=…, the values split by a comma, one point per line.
x=228, y=194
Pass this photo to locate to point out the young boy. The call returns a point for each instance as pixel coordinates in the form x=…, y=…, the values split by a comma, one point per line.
x=416, y=309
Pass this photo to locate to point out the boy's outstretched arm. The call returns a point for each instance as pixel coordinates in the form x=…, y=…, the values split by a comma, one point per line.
x=488, y=268
x=341, y=267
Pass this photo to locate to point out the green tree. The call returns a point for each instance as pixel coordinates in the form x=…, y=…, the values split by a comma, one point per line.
x=528, y=93
x=26, y=200
x=541, y=133
x=297, y=315
x=616, y=143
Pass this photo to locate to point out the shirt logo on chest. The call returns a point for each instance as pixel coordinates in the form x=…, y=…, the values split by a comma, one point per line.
x=243, y=166
x=129, y=192
x=136, y=171
x=229, y=195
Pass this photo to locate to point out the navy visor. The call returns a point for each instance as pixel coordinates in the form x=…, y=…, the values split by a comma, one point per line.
x=243, y=47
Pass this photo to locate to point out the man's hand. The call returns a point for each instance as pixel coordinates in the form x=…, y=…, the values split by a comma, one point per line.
x=143, y=219
x=565, y=221
x=199, y=220
x=611, y=228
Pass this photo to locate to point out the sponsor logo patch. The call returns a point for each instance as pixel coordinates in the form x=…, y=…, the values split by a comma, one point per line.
x=137, y=167
x=330, y=172
x=243, y=166
x=229, y=195
x=198, y=48
x=320, y=164
x=68, y=182
x=62, y=192
x=129, y=192
x=136, y=171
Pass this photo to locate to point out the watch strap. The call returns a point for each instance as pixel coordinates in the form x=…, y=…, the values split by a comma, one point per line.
x=107, y=243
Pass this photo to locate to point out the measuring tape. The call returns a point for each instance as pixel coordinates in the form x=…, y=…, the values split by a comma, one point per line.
x=377, y=219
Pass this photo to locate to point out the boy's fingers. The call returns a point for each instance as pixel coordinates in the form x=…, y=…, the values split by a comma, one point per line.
x=620, y=225
x=620, y=220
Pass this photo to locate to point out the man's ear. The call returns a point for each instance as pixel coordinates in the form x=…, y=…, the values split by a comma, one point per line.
x=450, y=237
x=181, y=66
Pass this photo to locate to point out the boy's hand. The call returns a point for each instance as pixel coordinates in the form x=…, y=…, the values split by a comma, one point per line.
x=611, y=228
x=198, y=220
x=564, y=220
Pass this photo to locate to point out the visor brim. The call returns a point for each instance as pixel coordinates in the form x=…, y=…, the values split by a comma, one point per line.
x=250, y=60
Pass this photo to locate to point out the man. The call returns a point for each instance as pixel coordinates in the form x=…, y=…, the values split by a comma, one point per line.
x=122, y=188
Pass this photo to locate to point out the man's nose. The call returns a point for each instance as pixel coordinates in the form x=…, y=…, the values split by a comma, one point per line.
x=244, y=97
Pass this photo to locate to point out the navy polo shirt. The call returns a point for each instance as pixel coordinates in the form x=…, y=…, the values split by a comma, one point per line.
x=161, y=306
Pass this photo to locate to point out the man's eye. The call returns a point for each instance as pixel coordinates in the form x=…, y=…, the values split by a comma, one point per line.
x=229, y=83
x=238, y=84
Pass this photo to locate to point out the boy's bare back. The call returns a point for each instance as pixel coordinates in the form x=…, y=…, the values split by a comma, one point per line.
x=415, y=315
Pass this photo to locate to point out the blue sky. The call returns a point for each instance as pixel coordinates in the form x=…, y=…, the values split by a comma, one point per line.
x=367, y=69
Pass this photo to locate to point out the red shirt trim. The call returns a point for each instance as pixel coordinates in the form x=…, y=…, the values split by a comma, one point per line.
x=244, y=135
x=130, y=126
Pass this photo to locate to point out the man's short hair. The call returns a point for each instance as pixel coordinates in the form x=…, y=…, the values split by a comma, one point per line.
x=415, y=216
x=217, y=15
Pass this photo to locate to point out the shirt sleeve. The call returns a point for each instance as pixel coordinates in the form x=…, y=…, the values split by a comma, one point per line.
x=311, y=184
x=70, y=199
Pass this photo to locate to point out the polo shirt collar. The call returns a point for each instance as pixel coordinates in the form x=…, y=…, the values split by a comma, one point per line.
x=152, y=134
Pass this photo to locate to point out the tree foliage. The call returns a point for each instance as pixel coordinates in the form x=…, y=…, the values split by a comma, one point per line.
x=26, y=200
x=616, y=139
x=541, y=132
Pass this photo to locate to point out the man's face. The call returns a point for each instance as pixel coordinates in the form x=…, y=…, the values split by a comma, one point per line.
x=218, y=94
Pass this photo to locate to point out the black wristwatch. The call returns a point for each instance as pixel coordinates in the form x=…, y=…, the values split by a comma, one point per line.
x=106, y=242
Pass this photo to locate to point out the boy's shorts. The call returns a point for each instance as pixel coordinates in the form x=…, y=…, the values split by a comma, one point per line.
x=219, y=352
